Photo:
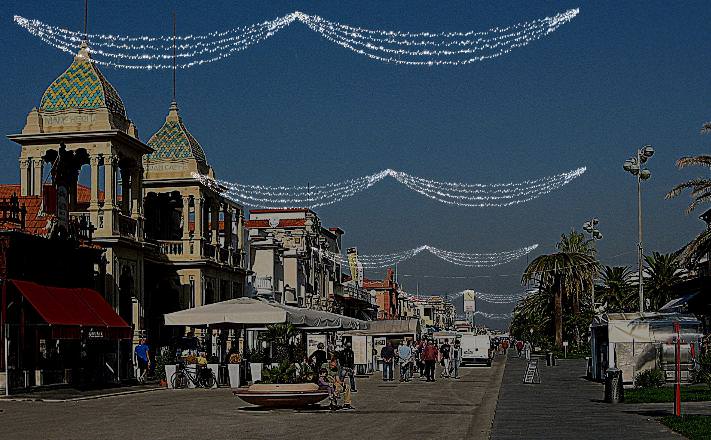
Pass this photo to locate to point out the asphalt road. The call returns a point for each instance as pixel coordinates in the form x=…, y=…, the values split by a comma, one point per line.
x=448, y=408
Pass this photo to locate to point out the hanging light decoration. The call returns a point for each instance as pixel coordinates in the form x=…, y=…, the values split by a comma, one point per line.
x=450, y=193
x=467, y=259
x=495, y=316
x=418, y=48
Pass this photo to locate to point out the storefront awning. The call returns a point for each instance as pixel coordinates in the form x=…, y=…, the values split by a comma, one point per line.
x=244, y=311
x=254, y=312
x=74, y=309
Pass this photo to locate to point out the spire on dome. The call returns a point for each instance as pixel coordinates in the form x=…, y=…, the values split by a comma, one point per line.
x=173, y=141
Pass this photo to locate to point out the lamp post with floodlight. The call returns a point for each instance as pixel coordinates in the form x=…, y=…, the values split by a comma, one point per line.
x=635, y=166
x=595, y=234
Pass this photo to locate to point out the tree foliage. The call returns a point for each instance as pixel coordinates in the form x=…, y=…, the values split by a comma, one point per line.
x=563, y=279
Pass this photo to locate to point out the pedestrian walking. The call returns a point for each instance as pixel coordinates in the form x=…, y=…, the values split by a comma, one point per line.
x=420, y=361
x=430, y=355
x=444, y=352
x=404, y=355
x=388, y=354
x=519, y=347
x=456, y=357
x=142, y=359
x=347, y=362
x=527, y=350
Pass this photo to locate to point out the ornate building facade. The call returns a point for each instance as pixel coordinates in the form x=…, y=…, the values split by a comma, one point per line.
x=169, y=241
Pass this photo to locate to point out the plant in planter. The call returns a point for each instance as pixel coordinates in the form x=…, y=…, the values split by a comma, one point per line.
x=165, y=363
x=281, y=337
x=284, y=372
x=256, y=362
x=233, y=367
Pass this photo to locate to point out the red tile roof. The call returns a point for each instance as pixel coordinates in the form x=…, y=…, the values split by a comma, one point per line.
x=283, y=223
x=276, y=210
x=35, y=221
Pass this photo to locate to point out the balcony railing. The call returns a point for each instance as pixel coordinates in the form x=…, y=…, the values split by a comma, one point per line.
x=126, y=226
x=351, y=291
x=263, y=283
x=171, y=247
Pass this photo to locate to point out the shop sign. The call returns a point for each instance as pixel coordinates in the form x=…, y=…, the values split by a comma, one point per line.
x=96, y=334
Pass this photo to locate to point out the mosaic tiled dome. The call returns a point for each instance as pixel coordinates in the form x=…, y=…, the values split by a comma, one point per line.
x=82, y=86
x=174, y=141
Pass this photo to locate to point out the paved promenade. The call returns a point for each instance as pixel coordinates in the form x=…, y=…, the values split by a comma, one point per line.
x=566, y=406
x=446, y=409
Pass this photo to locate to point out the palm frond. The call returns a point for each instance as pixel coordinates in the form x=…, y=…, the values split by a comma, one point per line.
x=696, y=184
x=687, y=161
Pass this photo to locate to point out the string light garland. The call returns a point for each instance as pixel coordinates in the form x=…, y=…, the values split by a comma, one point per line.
x=492, y=298
x=450, y=193
x=412, y=48
x=495, y=316
x=467, y=259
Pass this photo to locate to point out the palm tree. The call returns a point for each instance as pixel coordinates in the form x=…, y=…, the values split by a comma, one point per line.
x=617, y=290
x=700, y=193
x=562, y=274
x=664, y=273
x=575, y=242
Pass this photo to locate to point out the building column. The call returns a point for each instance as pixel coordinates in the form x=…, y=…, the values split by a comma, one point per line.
x=24, y=177
x=125, y=190
x=199, y=202
x=94, y=162
x=215, y=222
x=227, y=227
x=136, y=190
x=186, y=218
x=37, y=176
x=109, y=181
x=240, y=232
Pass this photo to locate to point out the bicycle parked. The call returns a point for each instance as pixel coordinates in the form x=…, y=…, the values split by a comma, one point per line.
x=202, y=377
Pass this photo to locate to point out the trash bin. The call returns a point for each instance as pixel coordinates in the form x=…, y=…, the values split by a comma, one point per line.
x=550, y=359
x=614, y=392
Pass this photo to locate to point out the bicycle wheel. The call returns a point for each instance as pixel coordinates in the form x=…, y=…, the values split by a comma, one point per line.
x=179, y=380
x=208, y=380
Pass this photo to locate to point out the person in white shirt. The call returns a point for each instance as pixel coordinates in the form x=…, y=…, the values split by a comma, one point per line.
x=405, y=355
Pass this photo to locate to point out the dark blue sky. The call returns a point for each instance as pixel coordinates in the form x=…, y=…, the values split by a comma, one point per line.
x=298, y=108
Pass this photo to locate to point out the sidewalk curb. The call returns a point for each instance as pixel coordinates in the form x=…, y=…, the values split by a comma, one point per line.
x=79, y=399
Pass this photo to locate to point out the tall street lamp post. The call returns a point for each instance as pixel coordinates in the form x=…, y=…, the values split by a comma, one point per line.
x=635, y=166
x=595, y=234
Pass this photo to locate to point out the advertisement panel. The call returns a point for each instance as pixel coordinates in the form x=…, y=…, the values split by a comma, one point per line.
x=313, y=341
x=360, y=349
x=469, y=301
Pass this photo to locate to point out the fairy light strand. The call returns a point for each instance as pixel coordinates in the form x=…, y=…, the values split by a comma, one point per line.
x=466, y=259
x=412, y=48
x=451, y=193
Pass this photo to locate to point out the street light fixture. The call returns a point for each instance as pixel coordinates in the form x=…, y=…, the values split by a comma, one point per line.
x=634, y=166
x=595, y=234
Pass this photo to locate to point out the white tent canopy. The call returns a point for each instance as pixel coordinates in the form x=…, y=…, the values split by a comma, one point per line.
x=245, y=311
x=248, y=311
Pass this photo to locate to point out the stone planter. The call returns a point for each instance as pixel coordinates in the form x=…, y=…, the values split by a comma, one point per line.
x=233, y=370
x=282, y=395
x=169, y=371
x=216, y=371
x=256, y=369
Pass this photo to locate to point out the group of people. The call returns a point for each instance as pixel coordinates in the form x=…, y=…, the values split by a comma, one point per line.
x=421, y=356
x=336, y=374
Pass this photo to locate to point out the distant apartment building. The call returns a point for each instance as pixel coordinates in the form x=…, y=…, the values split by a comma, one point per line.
x=386, y=293
x=297, y=261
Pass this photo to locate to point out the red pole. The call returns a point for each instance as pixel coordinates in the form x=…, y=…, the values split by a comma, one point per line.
x=677, y=386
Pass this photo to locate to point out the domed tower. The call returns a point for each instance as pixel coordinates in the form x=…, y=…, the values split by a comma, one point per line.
x=83, y=112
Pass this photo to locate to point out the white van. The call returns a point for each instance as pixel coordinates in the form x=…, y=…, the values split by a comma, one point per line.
x=476, y=349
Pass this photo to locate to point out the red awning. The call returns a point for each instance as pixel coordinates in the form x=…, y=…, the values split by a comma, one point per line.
x=78, y=308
